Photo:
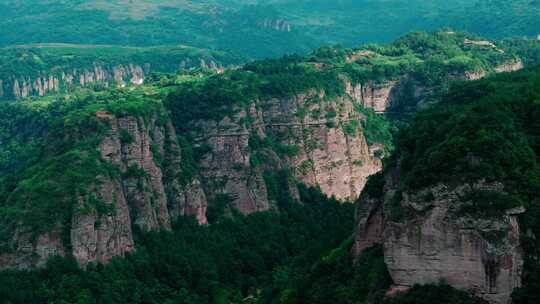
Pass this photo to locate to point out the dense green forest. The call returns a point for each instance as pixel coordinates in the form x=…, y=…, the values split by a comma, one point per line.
x=300, y=254
x=204, y=24
x=222, y=263
x=433, y=59
x=495, y=122
x=35, y=60
x=300, y=251
x=256, y=28
x=485, y=130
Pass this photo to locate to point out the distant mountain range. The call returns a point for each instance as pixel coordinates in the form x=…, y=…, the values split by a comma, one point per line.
x=256, y=28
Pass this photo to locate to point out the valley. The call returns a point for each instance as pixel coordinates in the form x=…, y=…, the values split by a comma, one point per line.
x=103, y=177
x=270, y=152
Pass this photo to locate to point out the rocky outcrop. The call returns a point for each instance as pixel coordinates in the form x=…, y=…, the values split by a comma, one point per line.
x=406, y=94
x=100, y=237
x=128, y=147
x=317, y=138
x=328, y=156
x=370, y=225
x=427, y=238
x=228, y=169
x=280, y=25
x=507, y=66
x=30, y=251
x=66, y=78
x=389, y=96
x=309, y=127
x=149, y=157
x=474, y=75
x=140, y=191
x=480, y=43
x=510, y=66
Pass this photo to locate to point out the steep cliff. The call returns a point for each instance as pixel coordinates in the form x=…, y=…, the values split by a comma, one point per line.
x=21, y=87
x=42, y=69
x=427, y=238
x=456, y=200
x=478, y=255
x=118, y=163
x=320, y=140
x=107, y=163
x=142, y=187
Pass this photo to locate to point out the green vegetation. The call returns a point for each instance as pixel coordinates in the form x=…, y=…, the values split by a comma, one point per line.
x=200, y=95
x=203, y=24
x=299, y=255
x=431, y=58
x=221, y=263
x=527, y=49
x=483, y=130
x=488, y=131
x=50, y=159
x=254, y=28
x=434, y=60
x=441, y=293
x=377, y=128
x=57, y=60
x=337, y=278
x=31, y=60
x=334, y=278
x=216, y=96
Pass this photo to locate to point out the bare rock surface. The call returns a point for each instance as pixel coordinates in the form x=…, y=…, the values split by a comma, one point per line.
x=435, y=241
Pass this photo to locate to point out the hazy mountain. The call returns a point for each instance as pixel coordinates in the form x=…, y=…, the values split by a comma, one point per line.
x=256, y=28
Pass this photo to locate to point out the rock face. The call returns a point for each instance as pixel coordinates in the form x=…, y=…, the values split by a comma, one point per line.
x=510, y=66
x=475, y=75
x=31, y=251
x=407, y=94
x=54, y=82
x=432, y=240
x=228, y=169
x=100, y=237
x=480, y=43
x=129, y=146
x=317, y=138
x=389, y=96
x=149, y=157
x=144, y=193
x=328, y=156
x=276, y=24
x=66, y=78
x=311, y=127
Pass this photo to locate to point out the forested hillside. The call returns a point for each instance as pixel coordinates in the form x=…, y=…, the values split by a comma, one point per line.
x=270, y=151
x=256, y=28
x=73, y=179
x=151, y=193
x=43, y=69
x=465, y=173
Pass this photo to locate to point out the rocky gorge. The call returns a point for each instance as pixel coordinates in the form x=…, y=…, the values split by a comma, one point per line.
x=150, y=188
x=444, y=209
x=123, y=161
